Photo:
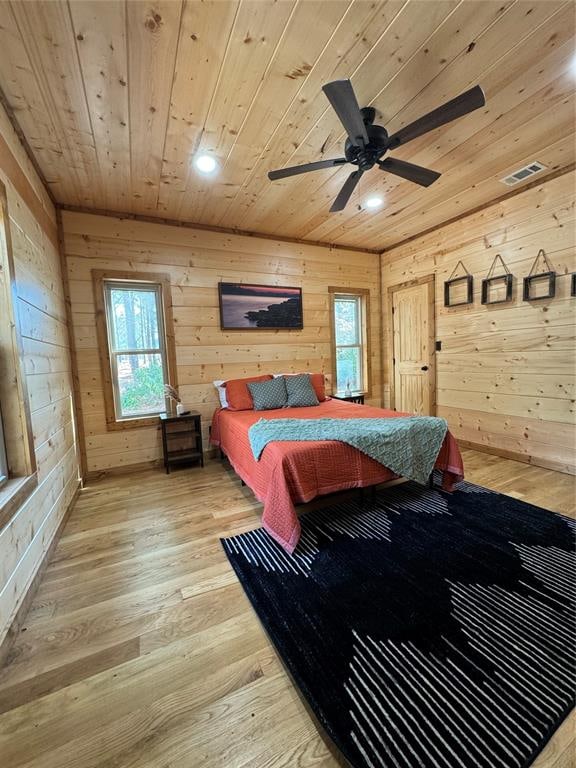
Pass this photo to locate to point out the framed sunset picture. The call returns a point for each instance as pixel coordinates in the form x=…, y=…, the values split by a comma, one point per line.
x=273, y=307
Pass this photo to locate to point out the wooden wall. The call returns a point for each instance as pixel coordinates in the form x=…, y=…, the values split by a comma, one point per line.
x=506, y=373
x=197, y=260
x=42, y=317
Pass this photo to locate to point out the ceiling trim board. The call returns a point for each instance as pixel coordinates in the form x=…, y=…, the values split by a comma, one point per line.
x=17, y=178
x=27, y=148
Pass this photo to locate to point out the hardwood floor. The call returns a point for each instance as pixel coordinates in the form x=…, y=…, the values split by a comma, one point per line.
x=141, y=650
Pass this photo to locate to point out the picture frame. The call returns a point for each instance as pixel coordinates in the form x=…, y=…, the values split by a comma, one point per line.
x=487, y=284
x=531, y=280
x=252, y=306
x=534, y=278
x=504, y=279
x=573, y=285
x=448, y=286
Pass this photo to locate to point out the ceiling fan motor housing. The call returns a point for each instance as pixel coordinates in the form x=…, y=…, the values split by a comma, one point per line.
x=366, y=157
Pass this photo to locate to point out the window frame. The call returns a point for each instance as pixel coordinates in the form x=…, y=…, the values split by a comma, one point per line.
x=156, y=289
x=4, y=471
x=16, y=428
x=362, y=295
x=108, y=355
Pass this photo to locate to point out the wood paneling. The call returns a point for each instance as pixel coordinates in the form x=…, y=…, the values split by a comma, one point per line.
x=141, y=648
x=196, y=261
x=27, y=536
x=506, y=374
x=115, y=99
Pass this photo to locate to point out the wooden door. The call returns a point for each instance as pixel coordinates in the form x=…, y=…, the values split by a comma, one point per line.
x=413, y=386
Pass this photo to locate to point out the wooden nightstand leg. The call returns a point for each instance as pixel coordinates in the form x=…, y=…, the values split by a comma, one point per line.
x=199, y=443
x=165, y=449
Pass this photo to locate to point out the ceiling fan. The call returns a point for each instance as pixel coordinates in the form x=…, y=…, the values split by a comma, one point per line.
x=368, y=143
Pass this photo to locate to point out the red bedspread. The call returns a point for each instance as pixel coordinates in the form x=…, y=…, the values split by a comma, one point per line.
x=294, y=472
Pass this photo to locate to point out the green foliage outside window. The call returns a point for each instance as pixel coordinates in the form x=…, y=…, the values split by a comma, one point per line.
x=143, y=391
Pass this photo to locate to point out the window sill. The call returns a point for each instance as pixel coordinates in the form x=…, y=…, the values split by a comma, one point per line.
x=13, y=494
x=147, y=421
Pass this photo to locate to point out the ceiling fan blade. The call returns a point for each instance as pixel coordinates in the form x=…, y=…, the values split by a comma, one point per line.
x=415, y=173
x=283, y=173
x=343, y=99
x=345, y=193
x=458, y=107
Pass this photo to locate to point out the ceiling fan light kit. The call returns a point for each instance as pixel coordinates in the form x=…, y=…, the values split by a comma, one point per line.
x=367, y=143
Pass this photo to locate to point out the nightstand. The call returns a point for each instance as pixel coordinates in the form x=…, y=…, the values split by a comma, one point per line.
x=352, y=397
x=181, y=439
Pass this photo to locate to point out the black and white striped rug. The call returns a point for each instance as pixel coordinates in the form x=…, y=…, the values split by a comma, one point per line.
x=426, y=628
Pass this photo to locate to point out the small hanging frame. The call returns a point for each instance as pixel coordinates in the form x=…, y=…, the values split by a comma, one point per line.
x=452, y=281
x=573, y=285
x=537, y=278
x=506, y=280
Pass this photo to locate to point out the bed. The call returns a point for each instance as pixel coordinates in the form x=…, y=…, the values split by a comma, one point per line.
x=295, y=472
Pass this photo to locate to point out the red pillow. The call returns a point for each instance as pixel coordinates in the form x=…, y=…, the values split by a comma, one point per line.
x=238, y=395
x=317, y=381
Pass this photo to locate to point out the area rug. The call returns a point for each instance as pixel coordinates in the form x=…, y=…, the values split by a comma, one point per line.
x=424, y=628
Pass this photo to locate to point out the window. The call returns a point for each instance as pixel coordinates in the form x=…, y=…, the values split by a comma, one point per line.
x=136, y=343
x=350, y=314
x=137, y=348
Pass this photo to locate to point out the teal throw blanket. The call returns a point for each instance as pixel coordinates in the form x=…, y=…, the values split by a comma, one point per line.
x=408, y=445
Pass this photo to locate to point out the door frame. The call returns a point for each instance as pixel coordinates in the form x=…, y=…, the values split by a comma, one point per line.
x=430, y=280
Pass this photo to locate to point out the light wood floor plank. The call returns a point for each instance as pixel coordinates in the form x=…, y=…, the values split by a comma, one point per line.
x=141, y=650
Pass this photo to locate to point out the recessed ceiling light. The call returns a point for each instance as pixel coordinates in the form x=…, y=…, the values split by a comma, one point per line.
x=373, y=202
x=205, y=163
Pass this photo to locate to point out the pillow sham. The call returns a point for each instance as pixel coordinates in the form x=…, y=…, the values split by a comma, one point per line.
x=220, y=386
x=317, y=380
x=300, y=391
x=238, y=395
x=267, y=395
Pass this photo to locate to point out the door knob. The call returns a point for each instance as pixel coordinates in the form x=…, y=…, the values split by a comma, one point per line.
x=424, y=368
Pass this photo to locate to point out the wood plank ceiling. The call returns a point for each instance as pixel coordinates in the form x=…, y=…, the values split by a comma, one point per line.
x=116, y=97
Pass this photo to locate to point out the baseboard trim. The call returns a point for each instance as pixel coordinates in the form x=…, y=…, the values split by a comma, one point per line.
x=535, y=461
x=22, y=612
x=127, y=469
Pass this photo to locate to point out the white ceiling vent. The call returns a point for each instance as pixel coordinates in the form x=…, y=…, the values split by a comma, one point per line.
x=523, y=173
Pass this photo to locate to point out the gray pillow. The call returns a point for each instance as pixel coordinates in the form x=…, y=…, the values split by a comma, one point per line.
x=267, y=395
x=300, y=391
